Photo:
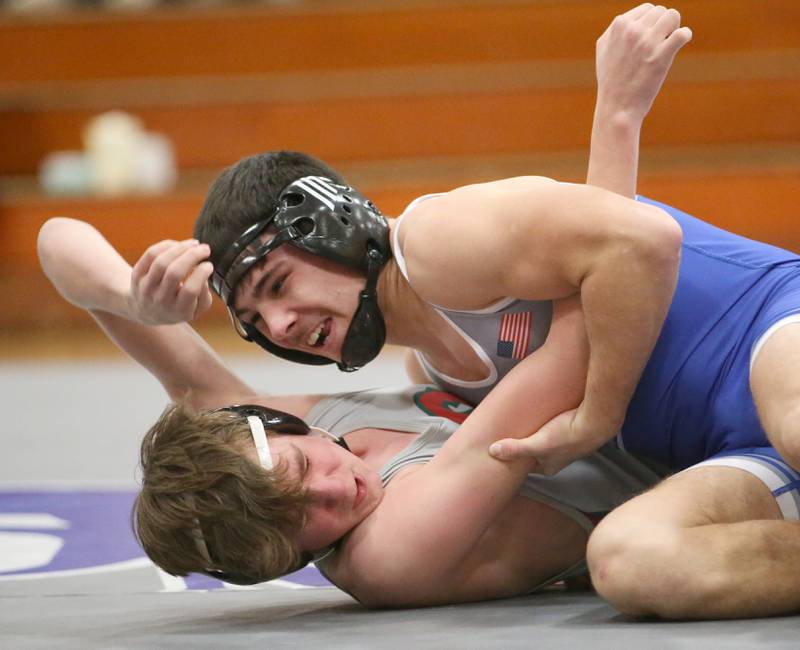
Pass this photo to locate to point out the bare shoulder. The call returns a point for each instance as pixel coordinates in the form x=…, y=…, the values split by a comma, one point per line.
x=466, y=206
x=528, y=237
x=456, y=244
x=378, y=562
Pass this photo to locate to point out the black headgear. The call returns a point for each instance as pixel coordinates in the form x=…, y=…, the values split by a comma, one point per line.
x=279, y=422
x=333, y=221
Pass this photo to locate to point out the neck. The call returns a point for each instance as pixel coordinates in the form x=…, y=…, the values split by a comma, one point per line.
x=410, y=320
x=376, y=446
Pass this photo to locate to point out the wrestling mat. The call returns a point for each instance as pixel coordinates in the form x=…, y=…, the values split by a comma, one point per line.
x=72, y=575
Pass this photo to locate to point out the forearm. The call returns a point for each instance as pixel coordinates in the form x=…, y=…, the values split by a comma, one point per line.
x=614, y=152
x=534, y=392
x=625, y=300
x=83, y=266
x=633, y=57
x=89, y=273
x=179, y=358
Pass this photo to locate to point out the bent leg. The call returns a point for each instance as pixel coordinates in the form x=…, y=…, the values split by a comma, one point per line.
x=775, y=384
x=710, y=542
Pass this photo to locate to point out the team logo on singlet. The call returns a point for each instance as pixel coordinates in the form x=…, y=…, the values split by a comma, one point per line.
x=514, y=335
x=443, y=405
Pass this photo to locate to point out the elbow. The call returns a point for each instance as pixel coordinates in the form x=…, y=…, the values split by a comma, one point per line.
x=377, y=598
x=376, y=601
x=52, y=228
x=47, y=241
x=663, y=235
x=50, y=234
x=400, y=590
x=656, y=241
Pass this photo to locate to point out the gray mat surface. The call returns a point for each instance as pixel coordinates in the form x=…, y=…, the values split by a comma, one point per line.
x=326, y=617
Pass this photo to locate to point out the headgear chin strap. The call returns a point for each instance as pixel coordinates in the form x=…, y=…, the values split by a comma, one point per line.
x=333, y=221
x=260, y=419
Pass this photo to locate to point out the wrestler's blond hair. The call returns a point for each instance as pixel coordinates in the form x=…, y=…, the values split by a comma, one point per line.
x=196, y=479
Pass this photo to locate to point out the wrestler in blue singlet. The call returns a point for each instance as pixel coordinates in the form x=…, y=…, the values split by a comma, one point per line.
x=694, y=401
x=693, y=405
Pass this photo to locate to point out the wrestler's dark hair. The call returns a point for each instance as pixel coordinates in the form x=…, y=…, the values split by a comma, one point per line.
x=247, y=192
x=196, y=475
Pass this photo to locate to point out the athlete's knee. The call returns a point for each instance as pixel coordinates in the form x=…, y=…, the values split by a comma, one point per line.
x=641, y=570
x=616, y=567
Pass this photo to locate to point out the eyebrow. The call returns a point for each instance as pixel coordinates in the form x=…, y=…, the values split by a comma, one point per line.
x=255, y=290
x=299, y=458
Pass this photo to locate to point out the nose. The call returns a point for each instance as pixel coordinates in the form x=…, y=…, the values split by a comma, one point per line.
x=280, y=323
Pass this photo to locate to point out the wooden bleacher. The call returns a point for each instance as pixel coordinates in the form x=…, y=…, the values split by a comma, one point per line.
x=405, y=97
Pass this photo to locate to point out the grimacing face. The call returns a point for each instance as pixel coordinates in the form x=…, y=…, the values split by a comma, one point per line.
x=344, y=489
x=300, y=301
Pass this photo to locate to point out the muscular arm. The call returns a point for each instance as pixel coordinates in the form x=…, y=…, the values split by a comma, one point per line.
x=633, y=58
x=536, y=239
x=433, y=517
x=88, y=272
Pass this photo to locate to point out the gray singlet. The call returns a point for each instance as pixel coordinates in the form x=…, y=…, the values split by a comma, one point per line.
x=585, y=490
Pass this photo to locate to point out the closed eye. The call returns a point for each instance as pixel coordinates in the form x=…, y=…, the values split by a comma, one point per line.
x=302, y=462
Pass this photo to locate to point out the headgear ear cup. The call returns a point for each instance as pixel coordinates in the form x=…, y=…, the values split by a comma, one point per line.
x=367, y=332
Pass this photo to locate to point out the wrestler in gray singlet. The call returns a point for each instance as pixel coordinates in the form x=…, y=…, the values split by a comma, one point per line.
x=585, y=490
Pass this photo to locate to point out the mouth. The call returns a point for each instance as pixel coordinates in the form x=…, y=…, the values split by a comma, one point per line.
x=318, y=336
x=361, y=492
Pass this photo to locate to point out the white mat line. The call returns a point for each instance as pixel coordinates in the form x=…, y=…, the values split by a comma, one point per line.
x=127, y=565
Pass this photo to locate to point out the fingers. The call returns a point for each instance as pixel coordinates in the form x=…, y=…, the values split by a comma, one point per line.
x=142, y=266
x=667, y=23
x=511, y=449
x=639, y=11
x=678, y=39
x=194, y=296
x=205, y=299
x=171, y=265
x=652, y=16
x=648, y=23
x=174, y=264
x=168, y=283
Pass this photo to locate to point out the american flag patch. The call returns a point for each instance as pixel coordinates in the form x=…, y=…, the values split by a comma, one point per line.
x=515, y=334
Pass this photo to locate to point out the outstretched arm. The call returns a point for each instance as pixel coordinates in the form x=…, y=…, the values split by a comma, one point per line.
x=89, y=273
x=633, y=58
